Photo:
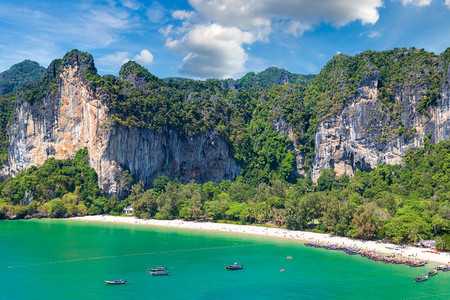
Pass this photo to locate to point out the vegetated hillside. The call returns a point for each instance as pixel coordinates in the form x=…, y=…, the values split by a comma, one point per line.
x=271, y=132
x=268, y=78
x=56, y=188
x=6, y=111
x=19, y=75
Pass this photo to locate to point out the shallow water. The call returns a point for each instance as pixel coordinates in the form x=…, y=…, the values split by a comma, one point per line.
x=69, y=259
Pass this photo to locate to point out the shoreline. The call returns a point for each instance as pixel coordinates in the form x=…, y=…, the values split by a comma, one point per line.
x=441, y=258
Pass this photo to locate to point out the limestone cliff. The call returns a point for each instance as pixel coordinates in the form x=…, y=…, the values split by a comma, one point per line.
x=357, y=113
x=366, y=133
x=76, y=116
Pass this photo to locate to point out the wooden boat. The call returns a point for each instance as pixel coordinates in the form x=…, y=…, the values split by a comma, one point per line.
x=234, y=267
x=432, y=272
x=441, y=267
x=159, y=273
x=115, y=281
x=156, y=269
x=421, y=278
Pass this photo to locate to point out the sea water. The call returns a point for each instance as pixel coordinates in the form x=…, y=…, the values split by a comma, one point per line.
x=61, y=259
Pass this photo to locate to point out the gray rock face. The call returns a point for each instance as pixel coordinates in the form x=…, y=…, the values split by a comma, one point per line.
x=365, y=133
x=146, y=154
x=77, y=117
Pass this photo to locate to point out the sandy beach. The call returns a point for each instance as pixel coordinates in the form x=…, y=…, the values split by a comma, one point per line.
x=302, y=236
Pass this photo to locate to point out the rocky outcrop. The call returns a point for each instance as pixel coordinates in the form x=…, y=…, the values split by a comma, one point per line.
x=76, y=116
x=366, y=133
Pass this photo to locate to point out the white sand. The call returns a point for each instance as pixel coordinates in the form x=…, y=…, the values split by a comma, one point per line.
x=305, y=236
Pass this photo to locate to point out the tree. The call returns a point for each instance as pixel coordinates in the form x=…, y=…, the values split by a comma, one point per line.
x=56, y=208
x=408, y=226
x=363, y=222
x=325, y=181
x=160, y=183
x=145, y=206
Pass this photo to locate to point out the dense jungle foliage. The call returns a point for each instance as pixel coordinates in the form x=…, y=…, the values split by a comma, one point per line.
x=19, y=75
x=57, y=188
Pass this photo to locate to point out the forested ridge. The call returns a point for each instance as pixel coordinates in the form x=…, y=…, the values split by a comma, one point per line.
x=401, y=203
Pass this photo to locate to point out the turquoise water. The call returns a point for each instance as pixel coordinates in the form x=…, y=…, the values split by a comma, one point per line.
x=59, y=259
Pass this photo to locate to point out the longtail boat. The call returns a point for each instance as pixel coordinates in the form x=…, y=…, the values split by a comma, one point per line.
x=156, y=269
x=421, y=278
x=159, y=273
x=115, y=281
x=234, y=267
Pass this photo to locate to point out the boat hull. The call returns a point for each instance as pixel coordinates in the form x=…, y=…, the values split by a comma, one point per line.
x=115, y=282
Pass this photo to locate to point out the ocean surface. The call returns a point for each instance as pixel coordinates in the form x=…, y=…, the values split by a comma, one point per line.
x=60, y=259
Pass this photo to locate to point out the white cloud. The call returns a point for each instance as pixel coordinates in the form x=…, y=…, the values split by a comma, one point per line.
x=183, y=14
x=217, y=29
x=166, y=30
x=131, y=4
x=374, y=34
x=212, y=50
x=447, y=2
x=145, y=57
x=257, y=13
x=417, y=2
x=114, y=60
x=156, y=13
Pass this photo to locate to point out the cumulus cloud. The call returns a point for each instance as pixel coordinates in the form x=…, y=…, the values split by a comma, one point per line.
x=145, y=57
x=258, y=13
x=447, y=2
x=216, y=30
x=212, y=50
x=417, y=2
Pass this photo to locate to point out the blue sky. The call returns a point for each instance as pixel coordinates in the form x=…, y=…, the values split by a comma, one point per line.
x=217, y=38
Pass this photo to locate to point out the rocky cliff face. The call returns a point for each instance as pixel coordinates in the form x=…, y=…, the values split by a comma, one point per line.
x=367, y=133
x=76, y=116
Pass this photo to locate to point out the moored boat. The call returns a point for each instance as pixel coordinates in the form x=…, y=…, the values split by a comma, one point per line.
x=115, y=281
x=234, y=267
x=159, y=273
x=441, y=267
x=432, y=272
x=421, y=278
x=156, y=269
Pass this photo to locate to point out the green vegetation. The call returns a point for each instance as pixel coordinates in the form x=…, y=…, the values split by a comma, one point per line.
x=6, y=112
x=269, y=78
x=56, y=188
x=246, y=117
x=11, y=81
x=19, y=75
x=402, y=204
